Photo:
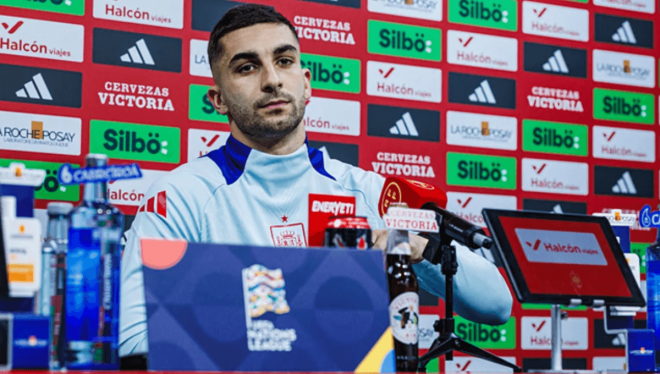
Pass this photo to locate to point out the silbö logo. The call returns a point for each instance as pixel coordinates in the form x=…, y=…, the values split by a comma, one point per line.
x=553, y=138
x=325, y=74
x=479, y=171
x=479, y=10
x=619, y=105
x=130, y=141
x=396, y=39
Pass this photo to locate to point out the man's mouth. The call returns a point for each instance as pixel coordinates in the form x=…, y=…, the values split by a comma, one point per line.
x=275, y=104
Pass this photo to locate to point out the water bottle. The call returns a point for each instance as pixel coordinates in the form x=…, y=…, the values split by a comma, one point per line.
x=92, y=280
x=653, y=291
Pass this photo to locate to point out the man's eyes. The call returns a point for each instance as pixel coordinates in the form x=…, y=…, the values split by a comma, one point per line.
x=246, y=68
x=285, y=61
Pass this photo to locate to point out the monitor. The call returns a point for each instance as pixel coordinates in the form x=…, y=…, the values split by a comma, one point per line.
x=562, y=258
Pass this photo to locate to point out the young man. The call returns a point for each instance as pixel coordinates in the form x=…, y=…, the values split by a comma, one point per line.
x=260, y=180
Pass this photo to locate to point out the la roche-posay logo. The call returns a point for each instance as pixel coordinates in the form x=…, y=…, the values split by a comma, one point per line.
x=560, y=247
x=555, y=176
x=623, y=68
x=555, y=21
x=482, y=130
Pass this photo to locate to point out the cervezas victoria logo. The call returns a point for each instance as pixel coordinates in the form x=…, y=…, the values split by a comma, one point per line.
x=164, y=13
x=133, y=95
x=555, y=99
x=555, y=21
x=555, y=176
x=480, y=50
x=623, y=68
x=623, y=144
x=402, y=164
x=42, y=39
x=325, y=30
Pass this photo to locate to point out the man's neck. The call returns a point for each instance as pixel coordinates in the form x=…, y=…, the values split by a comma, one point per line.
x=274, y=146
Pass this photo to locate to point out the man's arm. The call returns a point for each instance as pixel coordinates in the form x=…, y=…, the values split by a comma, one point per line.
x=480, y=292
x=168, y=216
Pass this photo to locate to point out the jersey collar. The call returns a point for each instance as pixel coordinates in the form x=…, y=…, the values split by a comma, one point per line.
x=233, y=156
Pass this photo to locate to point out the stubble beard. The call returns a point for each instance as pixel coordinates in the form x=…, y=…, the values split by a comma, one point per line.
x=254, y=125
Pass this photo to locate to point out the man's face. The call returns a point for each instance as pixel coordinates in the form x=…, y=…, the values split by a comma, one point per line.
x=261, y=84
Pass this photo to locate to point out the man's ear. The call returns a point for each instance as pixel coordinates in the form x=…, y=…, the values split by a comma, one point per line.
x=307, y=77
x=215, y=97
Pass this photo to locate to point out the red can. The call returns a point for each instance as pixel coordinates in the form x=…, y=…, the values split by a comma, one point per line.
x=348, y=232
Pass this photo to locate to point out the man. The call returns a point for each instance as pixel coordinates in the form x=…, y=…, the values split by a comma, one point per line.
x=259, y=181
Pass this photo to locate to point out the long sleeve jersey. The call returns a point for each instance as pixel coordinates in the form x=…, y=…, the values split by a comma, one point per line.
x=237, y=195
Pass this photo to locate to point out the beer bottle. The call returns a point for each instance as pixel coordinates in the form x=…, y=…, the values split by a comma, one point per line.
x=404, y=300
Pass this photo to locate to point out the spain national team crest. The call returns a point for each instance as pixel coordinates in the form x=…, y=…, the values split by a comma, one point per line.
x=289, y=235
x=263, y=292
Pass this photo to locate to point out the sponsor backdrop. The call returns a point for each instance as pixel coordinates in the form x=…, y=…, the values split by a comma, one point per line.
x=510, y=104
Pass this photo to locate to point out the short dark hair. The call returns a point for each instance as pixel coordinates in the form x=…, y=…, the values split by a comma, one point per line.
x=239, y=17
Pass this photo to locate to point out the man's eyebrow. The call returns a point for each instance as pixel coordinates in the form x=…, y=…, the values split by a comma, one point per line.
x=249, y=55
x=285, y=48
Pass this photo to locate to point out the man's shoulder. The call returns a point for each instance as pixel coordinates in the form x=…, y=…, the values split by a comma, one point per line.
x=196, y=179
x=353, y=177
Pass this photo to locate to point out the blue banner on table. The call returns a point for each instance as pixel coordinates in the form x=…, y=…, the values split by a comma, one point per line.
x=225, y=308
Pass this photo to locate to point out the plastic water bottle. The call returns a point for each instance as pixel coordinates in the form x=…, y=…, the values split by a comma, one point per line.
x=92, y=282
x=653, y=290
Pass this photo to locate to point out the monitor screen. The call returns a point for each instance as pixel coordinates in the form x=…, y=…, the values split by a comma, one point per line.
x=554, y=258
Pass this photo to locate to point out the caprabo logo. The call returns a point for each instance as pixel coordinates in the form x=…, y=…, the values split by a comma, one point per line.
x=481, y=171
x=74, y=7
x=624, y=106
x=486, y=336
x=555, y=137
x=494, y=14
x=396, y=39
x=129, y=141
x=333, y=73
x=200, y=107
x=51, y=188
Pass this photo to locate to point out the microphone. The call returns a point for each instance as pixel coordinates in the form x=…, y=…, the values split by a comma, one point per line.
x=419, y=195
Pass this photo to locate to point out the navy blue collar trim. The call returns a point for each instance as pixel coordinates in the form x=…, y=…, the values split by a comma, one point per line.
x=231, y=159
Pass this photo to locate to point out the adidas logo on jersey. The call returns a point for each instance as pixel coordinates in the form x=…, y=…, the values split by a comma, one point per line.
x=556, y=63
x=138, y=54
x=35, y=89
x=404, y=126
x=625, y=185
x=156, y=204
x=625, y=34
x=483, y=94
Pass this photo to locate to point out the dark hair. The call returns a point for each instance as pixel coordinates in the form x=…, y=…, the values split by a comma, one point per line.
x=239, y=17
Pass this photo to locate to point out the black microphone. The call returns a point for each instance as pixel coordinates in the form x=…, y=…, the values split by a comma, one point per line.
x=456, y=228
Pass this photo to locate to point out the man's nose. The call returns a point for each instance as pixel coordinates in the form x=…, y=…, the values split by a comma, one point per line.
x=271, y=80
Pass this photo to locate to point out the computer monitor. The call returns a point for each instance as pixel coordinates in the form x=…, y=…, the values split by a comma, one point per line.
x=562, y=258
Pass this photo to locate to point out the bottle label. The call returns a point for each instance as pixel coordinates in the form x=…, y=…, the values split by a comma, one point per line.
x=404, y=317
